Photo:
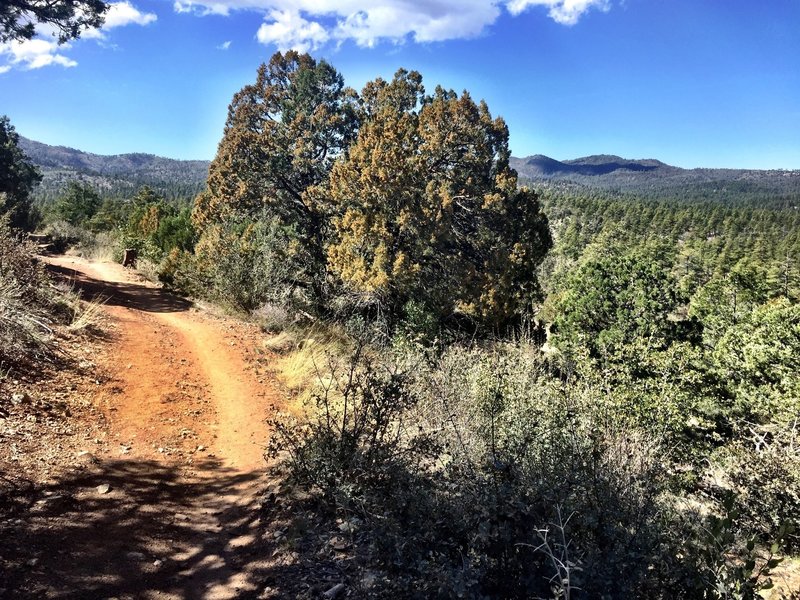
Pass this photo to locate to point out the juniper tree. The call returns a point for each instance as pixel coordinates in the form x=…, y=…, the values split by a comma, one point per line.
x=426, y=207
x=281, y=137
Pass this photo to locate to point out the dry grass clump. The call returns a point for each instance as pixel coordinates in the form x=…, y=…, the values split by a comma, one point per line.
x=31, y=305
x=306, y=353
x=25, y=325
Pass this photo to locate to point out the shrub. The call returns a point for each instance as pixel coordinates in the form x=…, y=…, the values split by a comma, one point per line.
x=64, y=235
x=272, y=318
x=253, y=262
x=354, y=432
x=24, y=324
x=475, y=474
x=764, y=475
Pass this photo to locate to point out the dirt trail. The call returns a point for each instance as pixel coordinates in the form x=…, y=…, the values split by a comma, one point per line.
x=208, y=353
x=182, y=458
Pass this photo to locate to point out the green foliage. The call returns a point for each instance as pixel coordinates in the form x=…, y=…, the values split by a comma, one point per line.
x=615, y=299
x=728, y=298
x=419, y=322
x=18, y=176
x=154, y=227
x=708, y=238
x=78, y=204
x=759, y=361
x=111, y=215
x=175, y=230
x=67, y=18
x=252, y=262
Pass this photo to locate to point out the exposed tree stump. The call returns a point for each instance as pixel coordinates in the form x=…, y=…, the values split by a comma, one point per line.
x=129, y=258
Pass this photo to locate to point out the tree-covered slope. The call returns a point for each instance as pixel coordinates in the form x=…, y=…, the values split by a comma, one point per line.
x=113, y=176
x=652, y=179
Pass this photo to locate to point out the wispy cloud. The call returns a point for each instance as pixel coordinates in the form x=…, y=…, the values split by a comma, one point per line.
x=566, y=12
x=224, y=45
x=120, y=14
x=44, y=51
x=309, y=24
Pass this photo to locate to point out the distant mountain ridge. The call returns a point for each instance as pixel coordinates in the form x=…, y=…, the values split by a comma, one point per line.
x=599, y=164
x=119, y=175
x=653, y=179
x=122, y=175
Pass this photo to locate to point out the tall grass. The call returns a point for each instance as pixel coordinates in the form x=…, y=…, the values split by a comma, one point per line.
x=25, y=325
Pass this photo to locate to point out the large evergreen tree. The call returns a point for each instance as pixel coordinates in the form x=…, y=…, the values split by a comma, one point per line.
x=281, y=138
x=428, y=210
x=18, y=176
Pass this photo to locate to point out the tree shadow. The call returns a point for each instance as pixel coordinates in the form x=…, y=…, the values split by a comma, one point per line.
x=130, y=295
x=155, y=532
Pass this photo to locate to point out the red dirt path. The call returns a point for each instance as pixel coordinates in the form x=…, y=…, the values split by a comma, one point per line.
x=182, y=452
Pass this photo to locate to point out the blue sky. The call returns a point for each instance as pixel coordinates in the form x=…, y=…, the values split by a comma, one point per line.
x=690, y=82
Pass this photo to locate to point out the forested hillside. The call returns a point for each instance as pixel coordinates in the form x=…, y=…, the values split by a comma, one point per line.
x=117, y=176
x=121, y=175
x=654, y=180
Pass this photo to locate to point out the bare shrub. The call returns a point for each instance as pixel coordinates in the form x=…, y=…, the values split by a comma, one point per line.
x=65, y=235
x=273, y=318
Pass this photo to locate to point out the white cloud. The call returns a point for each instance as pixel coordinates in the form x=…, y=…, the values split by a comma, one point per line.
x=287, y=30
x=437, y=21
x=124, y=13
x=566, y=12
x=224, y=45
x=120, y=14
x=209, y=8
x=43, y=50
x=308, y=24
x=34, y=54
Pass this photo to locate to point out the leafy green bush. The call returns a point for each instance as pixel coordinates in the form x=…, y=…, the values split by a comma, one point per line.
x=253, y=262
x=759, y=360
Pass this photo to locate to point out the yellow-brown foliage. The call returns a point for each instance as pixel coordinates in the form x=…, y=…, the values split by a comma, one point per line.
x=427, y=208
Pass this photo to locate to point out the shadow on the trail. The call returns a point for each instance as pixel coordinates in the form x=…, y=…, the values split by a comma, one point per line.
x=139, y=539
x=132, y=295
